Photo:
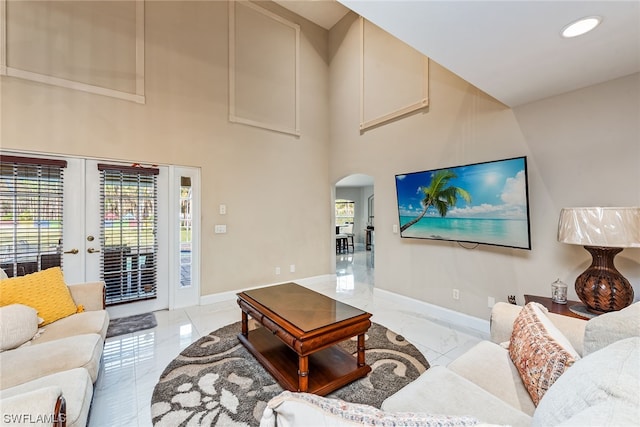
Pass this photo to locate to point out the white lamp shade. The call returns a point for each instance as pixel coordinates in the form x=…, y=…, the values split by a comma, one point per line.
x=598, y=226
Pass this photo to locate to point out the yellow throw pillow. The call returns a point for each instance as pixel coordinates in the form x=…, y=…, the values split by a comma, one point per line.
x=45, y=291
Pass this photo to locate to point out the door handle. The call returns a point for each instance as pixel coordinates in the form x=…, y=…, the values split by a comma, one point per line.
x=72, y=251
x=92, y=251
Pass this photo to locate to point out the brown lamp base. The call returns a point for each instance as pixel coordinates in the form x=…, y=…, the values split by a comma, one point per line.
x=601, y=287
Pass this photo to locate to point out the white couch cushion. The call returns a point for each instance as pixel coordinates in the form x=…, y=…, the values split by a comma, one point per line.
x=28, y=363
x=88, y=322
x=489, y=366
x=18, y=324
x=603, y=389
x=441, y=391
x=611, y=327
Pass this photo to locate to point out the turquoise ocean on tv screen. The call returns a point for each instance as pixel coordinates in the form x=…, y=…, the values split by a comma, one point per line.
x=504, y=232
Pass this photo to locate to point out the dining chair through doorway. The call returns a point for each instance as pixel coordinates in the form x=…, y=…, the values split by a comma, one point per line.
x=347, y=230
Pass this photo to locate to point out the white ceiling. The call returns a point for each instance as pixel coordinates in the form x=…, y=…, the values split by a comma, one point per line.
x=511, y=50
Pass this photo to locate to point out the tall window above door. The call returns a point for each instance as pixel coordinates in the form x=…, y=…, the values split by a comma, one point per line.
x=344, y=212
x=31, y=193
x=129, y=226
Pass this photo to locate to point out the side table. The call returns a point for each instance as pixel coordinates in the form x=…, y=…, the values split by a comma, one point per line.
x=553, y=307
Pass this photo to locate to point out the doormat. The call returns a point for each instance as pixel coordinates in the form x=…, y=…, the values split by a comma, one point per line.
x=126, y=325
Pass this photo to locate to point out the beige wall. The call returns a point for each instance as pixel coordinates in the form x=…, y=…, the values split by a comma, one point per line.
x=583, y=148
x=275, y=186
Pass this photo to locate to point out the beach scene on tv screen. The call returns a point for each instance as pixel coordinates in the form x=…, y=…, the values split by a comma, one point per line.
x=484, y=203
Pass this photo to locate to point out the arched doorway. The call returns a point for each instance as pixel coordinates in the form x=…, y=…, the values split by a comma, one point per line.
x=353, y=207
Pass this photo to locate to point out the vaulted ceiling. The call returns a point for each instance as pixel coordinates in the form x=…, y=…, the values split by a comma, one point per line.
x=511, y=50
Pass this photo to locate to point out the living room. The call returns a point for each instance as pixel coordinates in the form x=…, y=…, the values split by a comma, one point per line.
x=582, y=148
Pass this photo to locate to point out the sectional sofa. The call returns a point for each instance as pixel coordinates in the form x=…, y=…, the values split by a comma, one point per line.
x=539, y=369
x=48, y=366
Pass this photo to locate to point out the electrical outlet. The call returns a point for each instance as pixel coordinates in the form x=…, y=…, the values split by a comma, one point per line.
x=223, y=209
x=277, y=270
x=456, y=294
x=491, y=301
x=292, y=268
x=395, y=228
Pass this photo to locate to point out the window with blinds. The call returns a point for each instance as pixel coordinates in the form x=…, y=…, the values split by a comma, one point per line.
x=129, y=225
x=31, y=193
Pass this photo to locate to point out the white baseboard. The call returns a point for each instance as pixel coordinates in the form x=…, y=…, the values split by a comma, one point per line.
x=231, y=295
x=315, y=280
x=436, y=312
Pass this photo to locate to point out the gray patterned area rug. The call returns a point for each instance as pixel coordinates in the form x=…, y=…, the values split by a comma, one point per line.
x=217, y=382
x=126, y=325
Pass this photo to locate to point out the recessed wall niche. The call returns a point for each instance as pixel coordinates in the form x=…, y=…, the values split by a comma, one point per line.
x=92, y=46
x=394, y=77
x=263, y=69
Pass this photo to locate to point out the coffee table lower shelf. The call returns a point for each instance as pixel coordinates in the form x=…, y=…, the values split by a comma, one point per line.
x=329, y=369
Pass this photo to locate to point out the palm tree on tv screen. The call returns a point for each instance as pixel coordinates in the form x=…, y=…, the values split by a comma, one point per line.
x=439, y=195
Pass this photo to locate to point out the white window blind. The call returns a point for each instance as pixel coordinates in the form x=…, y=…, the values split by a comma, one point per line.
x=129, y=225
x=31, y=193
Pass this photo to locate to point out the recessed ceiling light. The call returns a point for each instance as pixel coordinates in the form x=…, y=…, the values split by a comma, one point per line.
x=581, y=26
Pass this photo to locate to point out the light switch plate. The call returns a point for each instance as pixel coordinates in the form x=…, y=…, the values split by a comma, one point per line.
x=220, y=228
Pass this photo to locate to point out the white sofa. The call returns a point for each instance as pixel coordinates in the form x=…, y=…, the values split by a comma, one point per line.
x=63, y=359
x=484, y=386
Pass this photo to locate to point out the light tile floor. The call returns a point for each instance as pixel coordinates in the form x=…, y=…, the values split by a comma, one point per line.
x=132, y=363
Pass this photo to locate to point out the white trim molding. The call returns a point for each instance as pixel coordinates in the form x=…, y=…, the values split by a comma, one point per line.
x=234, y=117
x=421, y=103
x=231, y=295
x=138, y=96
x=441, y=314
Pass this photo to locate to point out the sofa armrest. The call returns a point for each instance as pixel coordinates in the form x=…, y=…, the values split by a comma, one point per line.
x=572, y=328
x=90, y=295
x=46, y=405
x=503, y=315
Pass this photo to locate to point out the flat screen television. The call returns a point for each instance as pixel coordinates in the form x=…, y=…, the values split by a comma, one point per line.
x=485, y=203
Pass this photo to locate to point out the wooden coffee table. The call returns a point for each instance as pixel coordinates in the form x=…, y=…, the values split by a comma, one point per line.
x=298, y=337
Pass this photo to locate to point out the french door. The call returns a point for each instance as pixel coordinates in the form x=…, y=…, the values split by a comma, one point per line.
x=112, y=232
x=135, y=228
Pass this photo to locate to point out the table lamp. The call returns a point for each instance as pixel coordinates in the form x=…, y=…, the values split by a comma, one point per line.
x=604, y=232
